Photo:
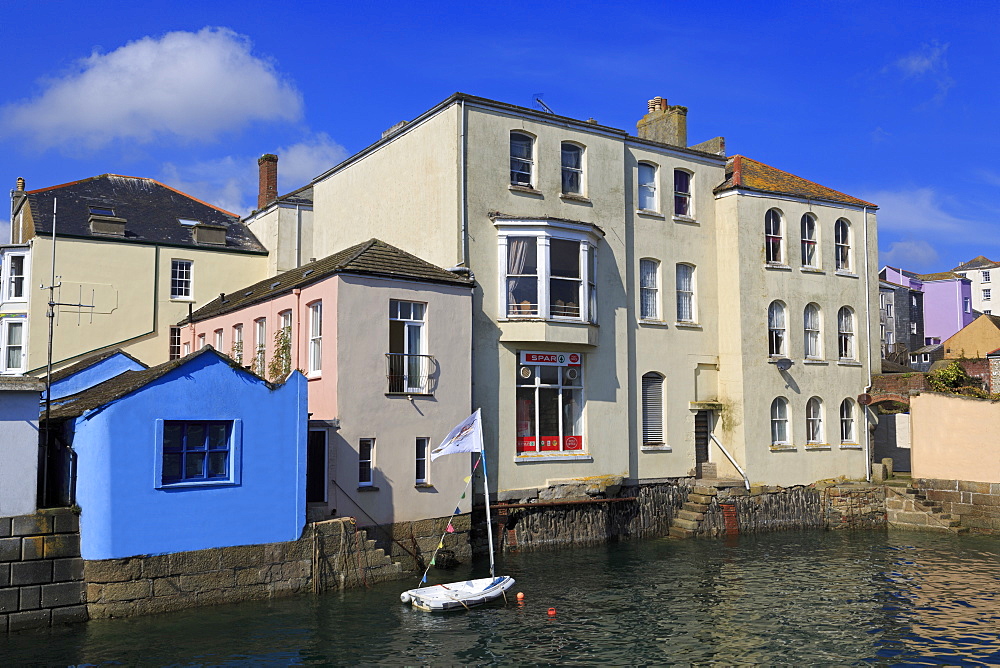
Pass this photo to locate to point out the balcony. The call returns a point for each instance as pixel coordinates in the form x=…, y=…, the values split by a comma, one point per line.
x=409, y=374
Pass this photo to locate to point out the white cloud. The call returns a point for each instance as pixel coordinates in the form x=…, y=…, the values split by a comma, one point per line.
x=917, y=256
x=192, y=86
x=231, y=182
x=916, y=211
x=927, y=63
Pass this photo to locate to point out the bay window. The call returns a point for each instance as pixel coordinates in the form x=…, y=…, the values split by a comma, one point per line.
x=549, y=403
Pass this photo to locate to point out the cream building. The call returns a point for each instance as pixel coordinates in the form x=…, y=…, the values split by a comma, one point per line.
x=623, y=291
x=132, y=258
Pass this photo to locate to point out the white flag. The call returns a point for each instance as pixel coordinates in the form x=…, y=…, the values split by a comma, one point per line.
x=466, y=437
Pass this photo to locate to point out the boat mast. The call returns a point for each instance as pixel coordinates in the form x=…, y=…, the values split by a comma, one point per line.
x=486, y=492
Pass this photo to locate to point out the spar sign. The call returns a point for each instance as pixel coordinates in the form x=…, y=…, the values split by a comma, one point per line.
x=551, y=359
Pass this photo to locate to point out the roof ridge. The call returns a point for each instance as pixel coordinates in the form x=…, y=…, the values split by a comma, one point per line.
x=363, y=248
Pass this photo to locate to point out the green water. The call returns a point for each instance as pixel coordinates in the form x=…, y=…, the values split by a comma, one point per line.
x=804, y=598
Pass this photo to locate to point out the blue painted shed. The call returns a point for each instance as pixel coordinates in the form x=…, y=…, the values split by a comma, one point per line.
x=193, y=454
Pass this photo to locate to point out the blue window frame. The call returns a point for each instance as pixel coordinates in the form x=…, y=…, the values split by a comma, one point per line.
x=196, y=451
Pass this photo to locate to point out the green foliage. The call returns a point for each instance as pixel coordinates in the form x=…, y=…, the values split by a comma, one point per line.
x=237, y=351
x=954, y=379
x=281, y=361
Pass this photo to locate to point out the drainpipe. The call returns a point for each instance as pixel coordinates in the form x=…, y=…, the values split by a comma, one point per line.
x=298, y=324
x=463, y=205
x=868, y=334
x=298, y=235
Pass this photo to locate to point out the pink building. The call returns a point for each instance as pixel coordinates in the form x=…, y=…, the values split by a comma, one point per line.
x=384, y=339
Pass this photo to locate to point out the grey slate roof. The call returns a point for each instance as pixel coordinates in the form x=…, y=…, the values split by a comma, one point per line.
x=978, y=262
x=373, y=258
x=151, y=211
x=88, y=362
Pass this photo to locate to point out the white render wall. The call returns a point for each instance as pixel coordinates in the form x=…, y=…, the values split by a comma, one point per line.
x=18, y=445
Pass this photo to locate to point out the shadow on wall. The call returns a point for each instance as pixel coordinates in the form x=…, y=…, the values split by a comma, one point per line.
x=892, y=439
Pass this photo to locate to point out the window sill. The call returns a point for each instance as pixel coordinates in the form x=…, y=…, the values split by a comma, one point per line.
x=526, y=190
x=576, y=199
x=687, y=220
x=367, y=488
x=181, y=299
x=777, y=266
x=782, y=447
x=653, y=323
x=811, y=270
x=816, y=361
x=649, y=213
x=193, y=484
x=656, y=448
x=409, y=394
x=848, y=363
x=314, y=375
x=846, y=274
x=553, y=457
x=818, y=446
x=688, y=325
x=536, y=318
x=850, y=446
x=423, y=485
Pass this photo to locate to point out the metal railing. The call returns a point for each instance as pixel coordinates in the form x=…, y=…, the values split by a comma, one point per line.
x=408, y=374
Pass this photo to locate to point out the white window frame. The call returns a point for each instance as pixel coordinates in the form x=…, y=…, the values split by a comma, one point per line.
x=544, y=232
x=237, y=350
x=370, y=461
x=652, y=409
x=525, y=165
x=684, y=276
x=568, y=379
x=422, y=446
x=814, y=421
x=174, y=343
x=260, y=346
x=843, y=260
x=181, y=279
x=687, y=197
x=646, y=191
x=570, y=171
x=809, y=242
x=649, y=289
x=812, y=331
x=777, y=329
x=986, y=294
x=219, y=340
x=202, y=342
x=315, y=337
x=848, y=434
x=779, y=422
x=409, y=368
x=774, y=237
x=7, y=291
x=846, y=349
x=986, y=275
x=6, y=325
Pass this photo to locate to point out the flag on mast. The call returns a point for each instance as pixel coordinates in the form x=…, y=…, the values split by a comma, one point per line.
x=466, y=437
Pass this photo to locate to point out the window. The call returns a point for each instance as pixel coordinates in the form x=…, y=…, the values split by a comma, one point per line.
x=842, y=241
x=549, y=406
x=315, y=336
x=809, y=255
x=649, y=300
x=407, y=359
x=772, y=236
x=421, y=461
x=572, y=169
x=682, y=193
x=814, y=420
x=810, y=325
x=237, y=352
x=845, y=333
x=317, y=466
x=366, y=462
x=16, y=274
x=548, y=277
x=779, y=421
x=12, y=338
x=647, y=187
x=201, y=341
x=986, y=294
x=260, y=346
x=652, y=409
x=174, y=349
x=987, y=311
x=521, y=163
x=776, y=329
x=888, y=309
x=196, y=451
x=218, y=340
x=181, y=279
x=986, y=276
x=685, y=293
x=847, y=422
x=967, y=304
x=913, y=328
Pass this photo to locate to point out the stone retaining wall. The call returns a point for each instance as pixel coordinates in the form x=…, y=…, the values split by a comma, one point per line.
x=41, y=573
x=976, y=504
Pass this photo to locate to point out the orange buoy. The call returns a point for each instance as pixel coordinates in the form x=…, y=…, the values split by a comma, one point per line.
x=520, y=595
x=552, y=612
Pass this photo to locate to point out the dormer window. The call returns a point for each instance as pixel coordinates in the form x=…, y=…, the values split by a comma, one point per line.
x=188, y=221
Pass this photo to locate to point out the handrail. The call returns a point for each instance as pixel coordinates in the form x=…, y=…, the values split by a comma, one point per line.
x=746, y=481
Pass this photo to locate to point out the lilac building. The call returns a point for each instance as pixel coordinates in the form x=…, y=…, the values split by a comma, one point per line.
x=947, y=300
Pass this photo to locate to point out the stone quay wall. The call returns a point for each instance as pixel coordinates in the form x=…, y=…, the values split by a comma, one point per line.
x=41, y=572
x=975, y=504
x=412, y=544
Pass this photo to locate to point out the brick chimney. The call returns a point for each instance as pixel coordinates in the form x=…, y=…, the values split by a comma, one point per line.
x=664, y=123
x=267, y=191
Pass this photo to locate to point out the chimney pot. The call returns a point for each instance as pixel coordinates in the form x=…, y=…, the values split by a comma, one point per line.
x=664, y=123
x=20, y=183
x=267, y=166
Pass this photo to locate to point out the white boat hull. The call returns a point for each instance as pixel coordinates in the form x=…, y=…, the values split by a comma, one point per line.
x=457, y=595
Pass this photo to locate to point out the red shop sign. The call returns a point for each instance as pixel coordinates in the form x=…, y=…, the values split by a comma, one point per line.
x=551, y=359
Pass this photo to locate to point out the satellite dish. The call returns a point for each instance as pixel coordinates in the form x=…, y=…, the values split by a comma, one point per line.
x=784, y=364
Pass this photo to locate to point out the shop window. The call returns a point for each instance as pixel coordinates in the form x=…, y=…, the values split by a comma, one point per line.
x=549, y=404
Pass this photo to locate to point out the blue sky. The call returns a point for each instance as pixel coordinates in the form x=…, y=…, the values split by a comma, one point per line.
x=893, y=102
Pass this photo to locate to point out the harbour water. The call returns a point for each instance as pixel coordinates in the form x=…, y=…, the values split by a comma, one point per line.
x=806, y=598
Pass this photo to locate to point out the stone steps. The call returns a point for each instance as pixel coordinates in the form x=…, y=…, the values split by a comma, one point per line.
x=915, y=511
x=687, y=521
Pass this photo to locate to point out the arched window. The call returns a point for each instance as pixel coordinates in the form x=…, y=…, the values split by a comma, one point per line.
x=847, y=422
x=811, y=329
x=845, y=333
x=685, y=294
x=682, y=193
x=776, y=329
x=647, y=187
x=779, y=421
x=652, y=409
x=521, y=159
x=773, y=239
x=842, y=239
x=809, y=256
x=572, y=169
x=649, y=292
x=814, y=420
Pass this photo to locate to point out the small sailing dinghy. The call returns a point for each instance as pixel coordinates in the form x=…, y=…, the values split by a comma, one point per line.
x=466, y=437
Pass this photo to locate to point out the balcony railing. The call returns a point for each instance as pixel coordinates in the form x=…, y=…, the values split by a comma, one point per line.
x=408, y=374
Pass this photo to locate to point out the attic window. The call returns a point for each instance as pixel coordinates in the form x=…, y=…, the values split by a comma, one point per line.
x=102, y=211
x=188, y=221
x=306, y=272
x=248, y=293
x=275, y=284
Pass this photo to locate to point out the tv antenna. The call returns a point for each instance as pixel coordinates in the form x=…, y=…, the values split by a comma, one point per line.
x=540, y=103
